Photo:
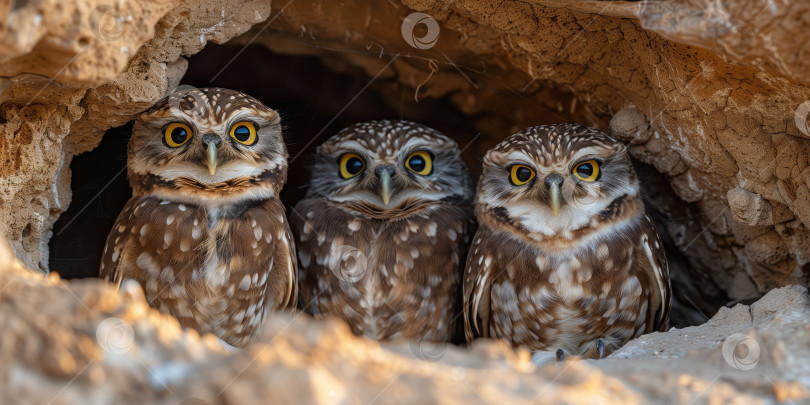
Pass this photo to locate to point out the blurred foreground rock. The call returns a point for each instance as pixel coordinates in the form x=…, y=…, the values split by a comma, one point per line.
x=83, y=342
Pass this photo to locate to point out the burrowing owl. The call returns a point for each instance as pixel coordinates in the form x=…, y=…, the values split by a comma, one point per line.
x=565, y=261
x=383, y=230
x=205, y=233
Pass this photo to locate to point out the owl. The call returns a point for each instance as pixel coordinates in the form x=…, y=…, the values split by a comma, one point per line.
x=204, y=233
x=383, y=230
x=565, y=261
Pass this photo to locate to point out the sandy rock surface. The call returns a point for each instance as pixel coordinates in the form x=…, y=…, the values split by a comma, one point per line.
x=83, y=342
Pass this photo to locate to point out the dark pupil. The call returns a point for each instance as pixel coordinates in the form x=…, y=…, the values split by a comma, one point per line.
x=417, y=163
x=585, y=170
x=523, y=174
x=242, y=133
x=179, y=135
x=354, y=165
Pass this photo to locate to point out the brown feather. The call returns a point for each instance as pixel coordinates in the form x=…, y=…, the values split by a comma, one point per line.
x=409, y=286
x=169, y=248
x=603, y=274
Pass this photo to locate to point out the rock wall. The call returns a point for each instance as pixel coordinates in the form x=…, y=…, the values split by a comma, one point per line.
x=714, y=95
x=69, y=70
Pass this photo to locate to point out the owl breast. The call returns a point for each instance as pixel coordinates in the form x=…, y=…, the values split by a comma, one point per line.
x=388, y=278
x=545, y=300
x=211, y=268
x=569, y=308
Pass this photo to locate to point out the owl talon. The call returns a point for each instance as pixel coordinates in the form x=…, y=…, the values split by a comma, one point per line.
x=600, y=348
x=560, y=355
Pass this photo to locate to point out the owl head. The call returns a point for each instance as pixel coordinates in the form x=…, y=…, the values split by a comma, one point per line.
x=554, y=179
x=210, y=144
x=385, y=164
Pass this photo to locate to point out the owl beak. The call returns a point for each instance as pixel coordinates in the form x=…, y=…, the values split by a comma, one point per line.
x=385, y=187
x=553, y=182
x=212, y=158
x=555, y=199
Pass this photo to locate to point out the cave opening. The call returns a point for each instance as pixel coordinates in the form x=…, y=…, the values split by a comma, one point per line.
x=315, y=100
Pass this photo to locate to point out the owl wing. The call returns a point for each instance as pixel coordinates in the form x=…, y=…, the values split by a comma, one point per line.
x=651, y=253
x=482, y=268
x=268, y=227
x=117, y=239
x=148, y=239
x=285, y=257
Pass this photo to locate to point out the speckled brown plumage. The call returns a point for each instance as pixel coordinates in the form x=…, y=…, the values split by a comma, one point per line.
x=596, y=270
x=209, y=245
x=390, y=271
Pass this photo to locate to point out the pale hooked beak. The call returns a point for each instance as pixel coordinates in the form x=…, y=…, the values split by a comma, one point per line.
x=385, y=187
x=555, y=199
x=212, y=158
x=385, y=173
x=553, y=182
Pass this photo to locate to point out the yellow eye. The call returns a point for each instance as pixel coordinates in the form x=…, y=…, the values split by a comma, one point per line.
x=244, y=132
x=351, y=165
x=587, y=171
x=520, y=174
x=176, y=134
x=420, y=163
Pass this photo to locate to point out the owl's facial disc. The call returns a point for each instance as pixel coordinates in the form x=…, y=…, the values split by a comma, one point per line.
x=386, y=179
x=388, y=165
x=557, y=179
x=555, y=186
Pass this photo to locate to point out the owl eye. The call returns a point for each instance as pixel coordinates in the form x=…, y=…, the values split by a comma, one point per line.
x=351, y=165
x=176, y=134
x=520, y=174
x=587, y=171
x=244, y=132
x=420, y=162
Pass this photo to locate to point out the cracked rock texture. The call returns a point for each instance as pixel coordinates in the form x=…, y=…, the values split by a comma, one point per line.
x=84, y=342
